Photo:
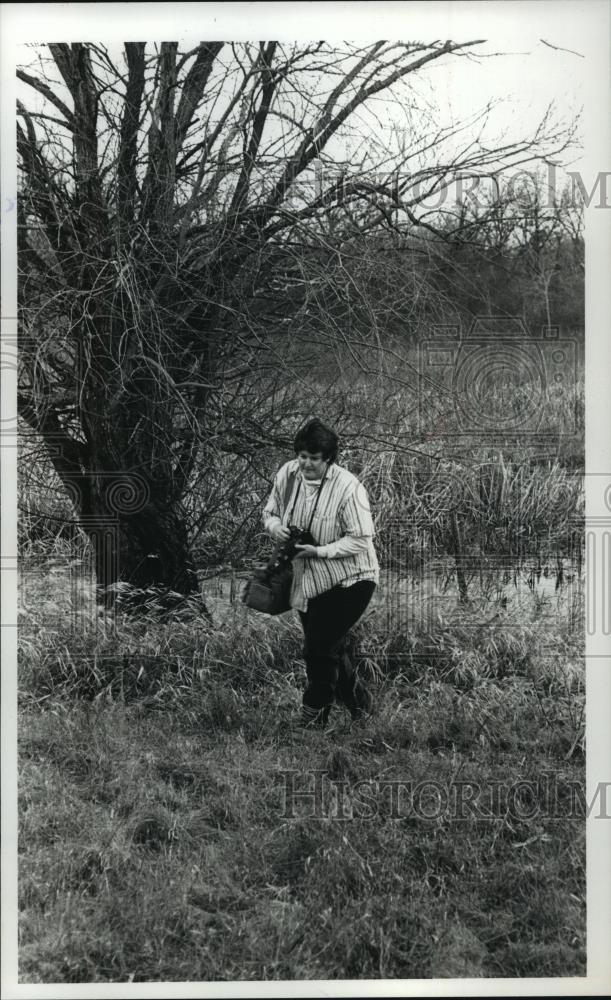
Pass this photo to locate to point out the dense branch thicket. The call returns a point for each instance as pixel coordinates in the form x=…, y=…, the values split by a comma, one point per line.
x=198, y=260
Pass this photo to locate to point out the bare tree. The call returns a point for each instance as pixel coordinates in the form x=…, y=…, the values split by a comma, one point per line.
x=174, y=209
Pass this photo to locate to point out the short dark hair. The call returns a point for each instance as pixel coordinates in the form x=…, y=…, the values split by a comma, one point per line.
x=316, y=436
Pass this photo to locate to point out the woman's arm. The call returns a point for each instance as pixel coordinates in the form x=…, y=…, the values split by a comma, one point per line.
x=349, y=545
x=274, y=508
x=356, y=524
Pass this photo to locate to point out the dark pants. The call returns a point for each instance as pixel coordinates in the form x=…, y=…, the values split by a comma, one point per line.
x=330, y=671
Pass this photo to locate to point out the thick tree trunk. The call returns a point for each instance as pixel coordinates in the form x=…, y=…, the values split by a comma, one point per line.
x=148, y=548
x=138, y=535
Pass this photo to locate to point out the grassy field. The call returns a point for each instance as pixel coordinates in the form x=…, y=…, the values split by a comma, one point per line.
x=158, y=842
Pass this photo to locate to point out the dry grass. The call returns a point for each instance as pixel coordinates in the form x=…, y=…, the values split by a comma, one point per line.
x=154, y=841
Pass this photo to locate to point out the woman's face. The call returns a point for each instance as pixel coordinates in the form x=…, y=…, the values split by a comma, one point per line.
x=311, y=464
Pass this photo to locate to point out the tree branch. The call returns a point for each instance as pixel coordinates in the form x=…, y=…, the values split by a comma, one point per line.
x=45, y=90
x=127, y=183
x=193, y=89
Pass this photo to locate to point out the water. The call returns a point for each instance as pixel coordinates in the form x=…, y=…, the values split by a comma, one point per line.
x=61, y=593
x=512, y=595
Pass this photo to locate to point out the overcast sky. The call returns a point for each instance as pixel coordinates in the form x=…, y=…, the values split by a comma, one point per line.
x=536, y=52
x=526, y=78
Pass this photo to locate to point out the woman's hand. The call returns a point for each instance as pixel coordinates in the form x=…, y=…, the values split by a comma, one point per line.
x=306, y=552
x=281, y=533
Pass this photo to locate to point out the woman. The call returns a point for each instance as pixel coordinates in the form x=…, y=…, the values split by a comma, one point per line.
x=334, y=579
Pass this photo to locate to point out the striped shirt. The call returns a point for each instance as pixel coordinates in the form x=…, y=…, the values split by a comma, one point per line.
x=342, y=527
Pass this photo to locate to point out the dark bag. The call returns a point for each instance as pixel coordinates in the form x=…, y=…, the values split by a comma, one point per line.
x=269, y=594
x=269, y=589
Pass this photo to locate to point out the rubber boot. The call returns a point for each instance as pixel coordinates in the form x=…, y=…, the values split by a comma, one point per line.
x=314, y=718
